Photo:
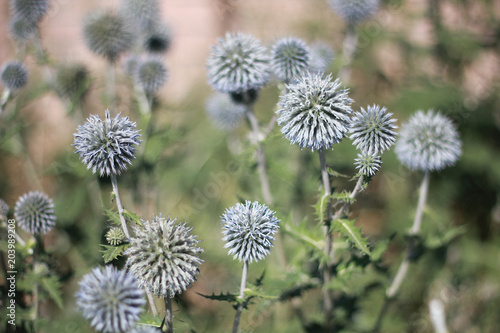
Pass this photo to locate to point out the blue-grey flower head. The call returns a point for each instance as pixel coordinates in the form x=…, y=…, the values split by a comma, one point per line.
x=354, y=11
x=30, y=10
x=289, y=58
x=151, y=74
x=13, y=75
x=315, y=113
x=107, y=34
x=72, y=81
x=249, y=230
x=368, y=163
x=110, y=300
x=372, y=130
x=144, y=15
x=158, y=40
x=238, y=63
x=22, y=29
x=107, y=146
x=428, y=142
x=321, y=56
x=34, y=212
x=145, y=329
x=163, y=256
x=4, y=210
x=224, y=112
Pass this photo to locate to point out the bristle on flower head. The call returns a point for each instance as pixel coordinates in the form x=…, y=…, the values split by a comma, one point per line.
x=368, y=163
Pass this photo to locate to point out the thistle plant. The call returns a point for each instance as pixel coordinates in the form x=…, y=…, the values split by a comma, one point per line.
x=13, y=75
x=72, y=82
x=143, y=14
x=249, y=234
x=289, y=58
x=29, y=10
x=368, y=163
x=110, y=300
x=34, y=213
x=223, y=112
x=151, y=74
x=22, y=29
x=115, y=236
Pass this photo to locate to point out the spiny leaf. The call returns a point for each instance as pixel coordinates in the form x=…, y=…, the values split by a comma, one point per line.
x=347, y=228
x=111, y=252
x=132, y=217
x=52, y=286
x=334, y=173
x=221, y=297
x=302, y=233
x=380, y=248
x=113, y=216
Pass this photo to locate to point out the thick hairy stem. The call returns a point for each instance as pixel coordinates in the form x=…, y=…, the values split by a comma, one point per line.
x=327, y=295
x=241, y=297
x=119, y=205
x=349, y=48
x=168, y=324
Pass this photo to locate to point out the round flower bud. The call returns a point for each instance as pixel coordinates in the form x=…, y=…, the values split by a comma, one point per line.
x=13, y=75
x=151, y=74
x=34, y=212
x=314, y=112
x=249, y=230
x=163, y=256
x=320, y=57
x=238, y=63
x=110, y=299
x=30, y=10
x=107, y=146
x=72, y=81
x=22, y=29
x=289, y=58
x=224, y=112
x=354, y=11
x=143, y=14
x=115, y=236
x=368, y=163
x=428, y=142
x=107, y=34
x=372, y=130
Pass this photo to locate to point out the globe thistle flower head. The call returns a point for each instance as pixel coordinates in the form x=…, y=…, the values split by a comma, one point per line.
x=34, y=212
x=72, y=81
x=224, y=112
x=22, y=29
x=4, y=210
x=158, y=40
x=163, y=256
x=144, y=14
x=13, y=75
x=238, y=63
x=249, y=230
x=107, y=34
x=372, y=130
x=151, y=74
x=321, y=56
x=110, y=299
x=108, y=145
x=368, y=163
x=354, y=11
x=115, y=236
x=428, y=142
x=315, y=113
x=30, y=10
x=289, y=58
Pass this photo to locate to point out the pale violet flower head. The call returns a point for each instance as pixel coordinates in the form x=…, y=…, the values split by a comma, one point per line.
x=110, y=300
x=368, y=163
x=151, y=74
x=354, y=11
x=224, y=112
x=249, y=230
x=164, y=256
x=372, y=130
x=35, y=213
x=428, y=142
x=238, y=63
x=315, y=112
x=13, y=75
x=289, y=58
x=107, y=146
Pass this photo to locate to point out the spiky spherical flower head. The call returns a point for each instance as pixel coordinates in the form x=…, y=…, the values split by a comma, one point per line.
x=354, y=11
x=315, y=113
x=30, y=10
x=72, y=81
x=249, y=230
x=14, y=75
x=152, y=74
x=238, y=63
x=110, y=299
x=4, y=210
x=428, y=142
x=22, y=29
x=368, y=163
x=224, y=112
x=321, y=56
x=144, y=329
x=107, y=34
x=372, y=130
x=108, y=145
x=34, y=212
x=163, y=256
x=115, y=236
x=289, y=58
x=143, y=14
x=158, y=40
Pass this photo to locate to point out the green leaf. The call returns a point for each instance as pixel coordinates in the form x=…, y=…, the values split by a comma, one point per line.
x=111, y=252
x=150, y=319
x=334, y=173
x=347, y=228
x=113, y=216
x=304, y=234
x=380, y=248
x=52, y=286
x=222, y=297
x=255, y=293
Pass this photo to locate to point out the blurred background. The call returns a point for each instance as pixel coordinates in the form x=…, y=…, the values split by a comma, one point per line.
x=412, y=55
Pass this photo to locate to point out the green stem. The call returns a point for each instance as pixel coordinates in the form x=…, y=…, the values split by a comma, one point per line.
x=168, y=326
x=349, y=48
x=241, y=297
